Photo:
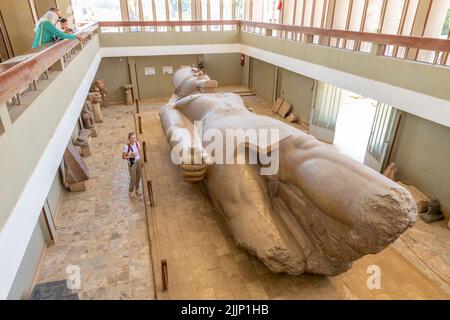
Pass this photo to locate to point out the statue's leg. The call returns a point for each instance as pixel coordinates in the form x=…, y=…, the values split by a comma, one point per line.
x=242, y=196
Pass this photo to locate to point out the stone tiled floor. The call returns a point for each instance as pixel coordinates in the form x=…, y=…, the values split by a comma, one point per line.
x=102, y=230
x=204, y=263
x=428, y=247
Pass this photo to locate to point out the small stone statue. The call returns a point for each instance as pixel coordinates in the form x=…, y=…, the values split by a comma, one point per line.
x=128, y=93
x=83, y=141
x=76, y=170
x=96, y=98
x=100, y=85
x=87, y=115
x=434, y=212
x=392, y=172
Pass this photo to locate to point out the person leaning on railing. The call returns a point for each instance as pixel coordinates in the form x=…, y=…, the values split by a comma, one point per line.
x=65, y=26
x=46, y=30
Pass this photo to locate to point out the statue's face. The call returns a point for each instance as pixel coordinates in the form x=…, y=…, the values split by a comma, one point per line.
x=200, y=75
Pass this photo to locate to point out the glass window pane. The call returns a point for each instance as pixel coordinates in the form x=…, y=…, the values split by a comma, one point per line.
x=288, y=14
x=227, y=10
x=160, y=10
x=270, y=12
x=308, y=13
x=204, y=9
x=86, y=11
x=318, y=13
x=373, y=16
x=186, y=10
x=257, y=13
x=215, y=12
x=392, y=17
x=299, y=13
x=446, y=25
x=239, y=9
x=133, y=10
x=147, y=10
x=215, y=9
x=173, y=10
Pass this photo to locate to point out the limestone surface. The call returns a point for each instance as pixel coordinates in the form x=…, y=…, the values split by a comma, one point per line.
x=319, y=212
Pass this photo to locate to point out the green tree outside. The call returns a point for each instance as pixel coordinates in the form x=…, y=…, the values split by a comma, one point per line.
x=446, y=26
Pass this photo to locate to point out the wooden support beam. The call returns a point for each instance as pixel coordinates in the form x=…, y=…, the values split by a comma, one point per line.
x=144, y=147
x=164, y=275
x=137, y=106
x=150, y=193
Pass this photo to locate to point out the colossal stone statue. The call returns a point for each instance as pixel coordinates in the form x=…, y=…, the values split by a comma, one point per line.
x=317, y=213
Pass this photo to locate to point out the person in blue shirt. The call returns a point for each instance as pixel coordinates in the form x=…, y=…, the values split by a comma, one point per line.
x=46, y=30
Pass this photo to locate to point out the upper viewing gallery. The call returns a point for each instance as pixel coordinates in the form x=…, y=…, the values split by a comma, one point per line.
x=222, y=150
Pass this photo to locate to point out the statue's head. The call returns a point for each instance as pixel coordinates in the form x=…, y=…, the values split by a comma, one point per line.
x=187, y=81
x=95, y=97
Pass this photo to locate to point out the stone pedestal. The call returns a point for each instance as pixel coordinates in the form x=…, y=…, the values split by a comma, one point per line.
x=93, y=132
x=86, y=150
x=83, y=141
x=98, y=116
x=128, y=93
x=77, y=186
x=292, y=118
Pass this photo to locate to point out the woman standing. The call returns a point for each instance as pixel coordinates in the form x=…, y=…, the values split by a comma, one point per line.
x=132, y=153
x=46, y=30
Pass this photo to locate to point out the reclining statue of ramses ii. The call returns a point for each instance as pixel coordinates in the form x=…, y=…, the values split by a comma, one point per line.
x=317, y=213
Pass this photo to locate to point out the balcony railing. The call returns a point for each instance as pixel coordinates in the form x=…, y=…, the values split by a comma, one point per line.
x=22, y=72
x=396, y=46
x=165, y=26
x=19, y=74
x=429, y=50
